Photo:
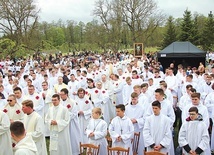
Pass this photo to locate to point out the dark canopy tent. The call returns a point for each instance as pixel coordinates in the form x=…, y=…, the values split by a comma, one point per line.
x=184, y=53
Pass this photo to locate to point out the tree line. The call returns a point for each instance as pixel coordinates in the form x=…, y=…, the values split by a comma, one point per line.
x=116, y=26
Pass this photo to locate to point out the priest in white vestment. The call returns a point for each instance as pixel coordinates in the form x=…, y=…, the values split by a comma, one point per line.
x=5, y=138
x=84, y=107
x=46, y=94
x=74, y=126
x=13, y=109
x=37, y=100
x=58, y=120
x=34, y=126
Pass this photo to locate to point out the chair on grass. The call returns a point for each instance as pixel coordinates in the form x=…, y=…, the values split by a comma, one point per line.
x=108, y=138
x=154, y=153
x=118, y=151
x=135, y=143
x=89, y=149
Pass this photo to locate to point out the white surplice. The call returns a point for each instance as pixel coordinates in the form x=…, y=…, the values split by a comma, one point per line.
x=195, y=134
x=99, y=128
x=137, y=112
x=201, y=109
x=124, y=128
x=157, y=131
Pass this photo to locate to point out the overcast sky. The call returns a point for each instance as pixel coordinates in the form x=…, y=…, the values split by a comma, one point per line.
x=81, y=10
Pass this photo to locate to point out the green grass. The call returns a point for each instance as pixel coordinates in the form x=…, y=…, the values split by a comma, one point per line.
x=47, y=145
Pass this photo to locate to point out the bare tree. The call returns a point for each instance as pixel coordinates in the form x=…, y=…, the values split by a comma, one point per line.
x=141, y=16
x=18, y=19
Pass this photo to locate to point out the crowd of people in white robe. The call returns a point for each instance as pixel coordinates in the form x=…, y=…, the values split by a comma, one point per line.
x=65, y=101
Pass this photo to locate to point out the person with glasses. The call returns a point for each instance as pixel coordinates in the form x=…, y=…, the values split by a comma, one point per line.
x=193, y=135
x=13, y=109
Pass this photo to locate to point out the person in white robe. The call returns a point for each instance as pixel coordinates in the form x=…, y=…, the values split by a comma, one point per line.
x=193, y=135
x=58, y=120
x=37, y=100
x=34, y=126
x=97, y=130
x=156, y=132
x=5, y=138
x=13, y=109
x=142, y=98
x=24, y=143
x=3, y=101
x=46, y=94
x=127, y=90
x=73, y=86
x=209, y=103
x=206, y=87
x=167, y=92
x=136, y=113
x=136, y=80
x=185, y=98
x=201, y=108
x=188, y=81
x=58, y=86
x=108, y=86
x=84, y=107
x=166, y=109
x=93, y=93
x=19, y=95
x=121, y=129
x=172, y=85
x=117, y=90
x=74, y=126
x=103, y=100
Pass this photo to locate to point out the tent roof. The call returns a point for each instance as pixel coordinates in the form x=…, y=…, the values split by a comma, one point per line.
x=181, y=49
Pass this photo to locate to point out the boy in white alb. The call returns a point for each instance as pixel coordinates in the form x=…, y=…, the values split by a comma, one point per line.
x=97, y=130
x=121, y=129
